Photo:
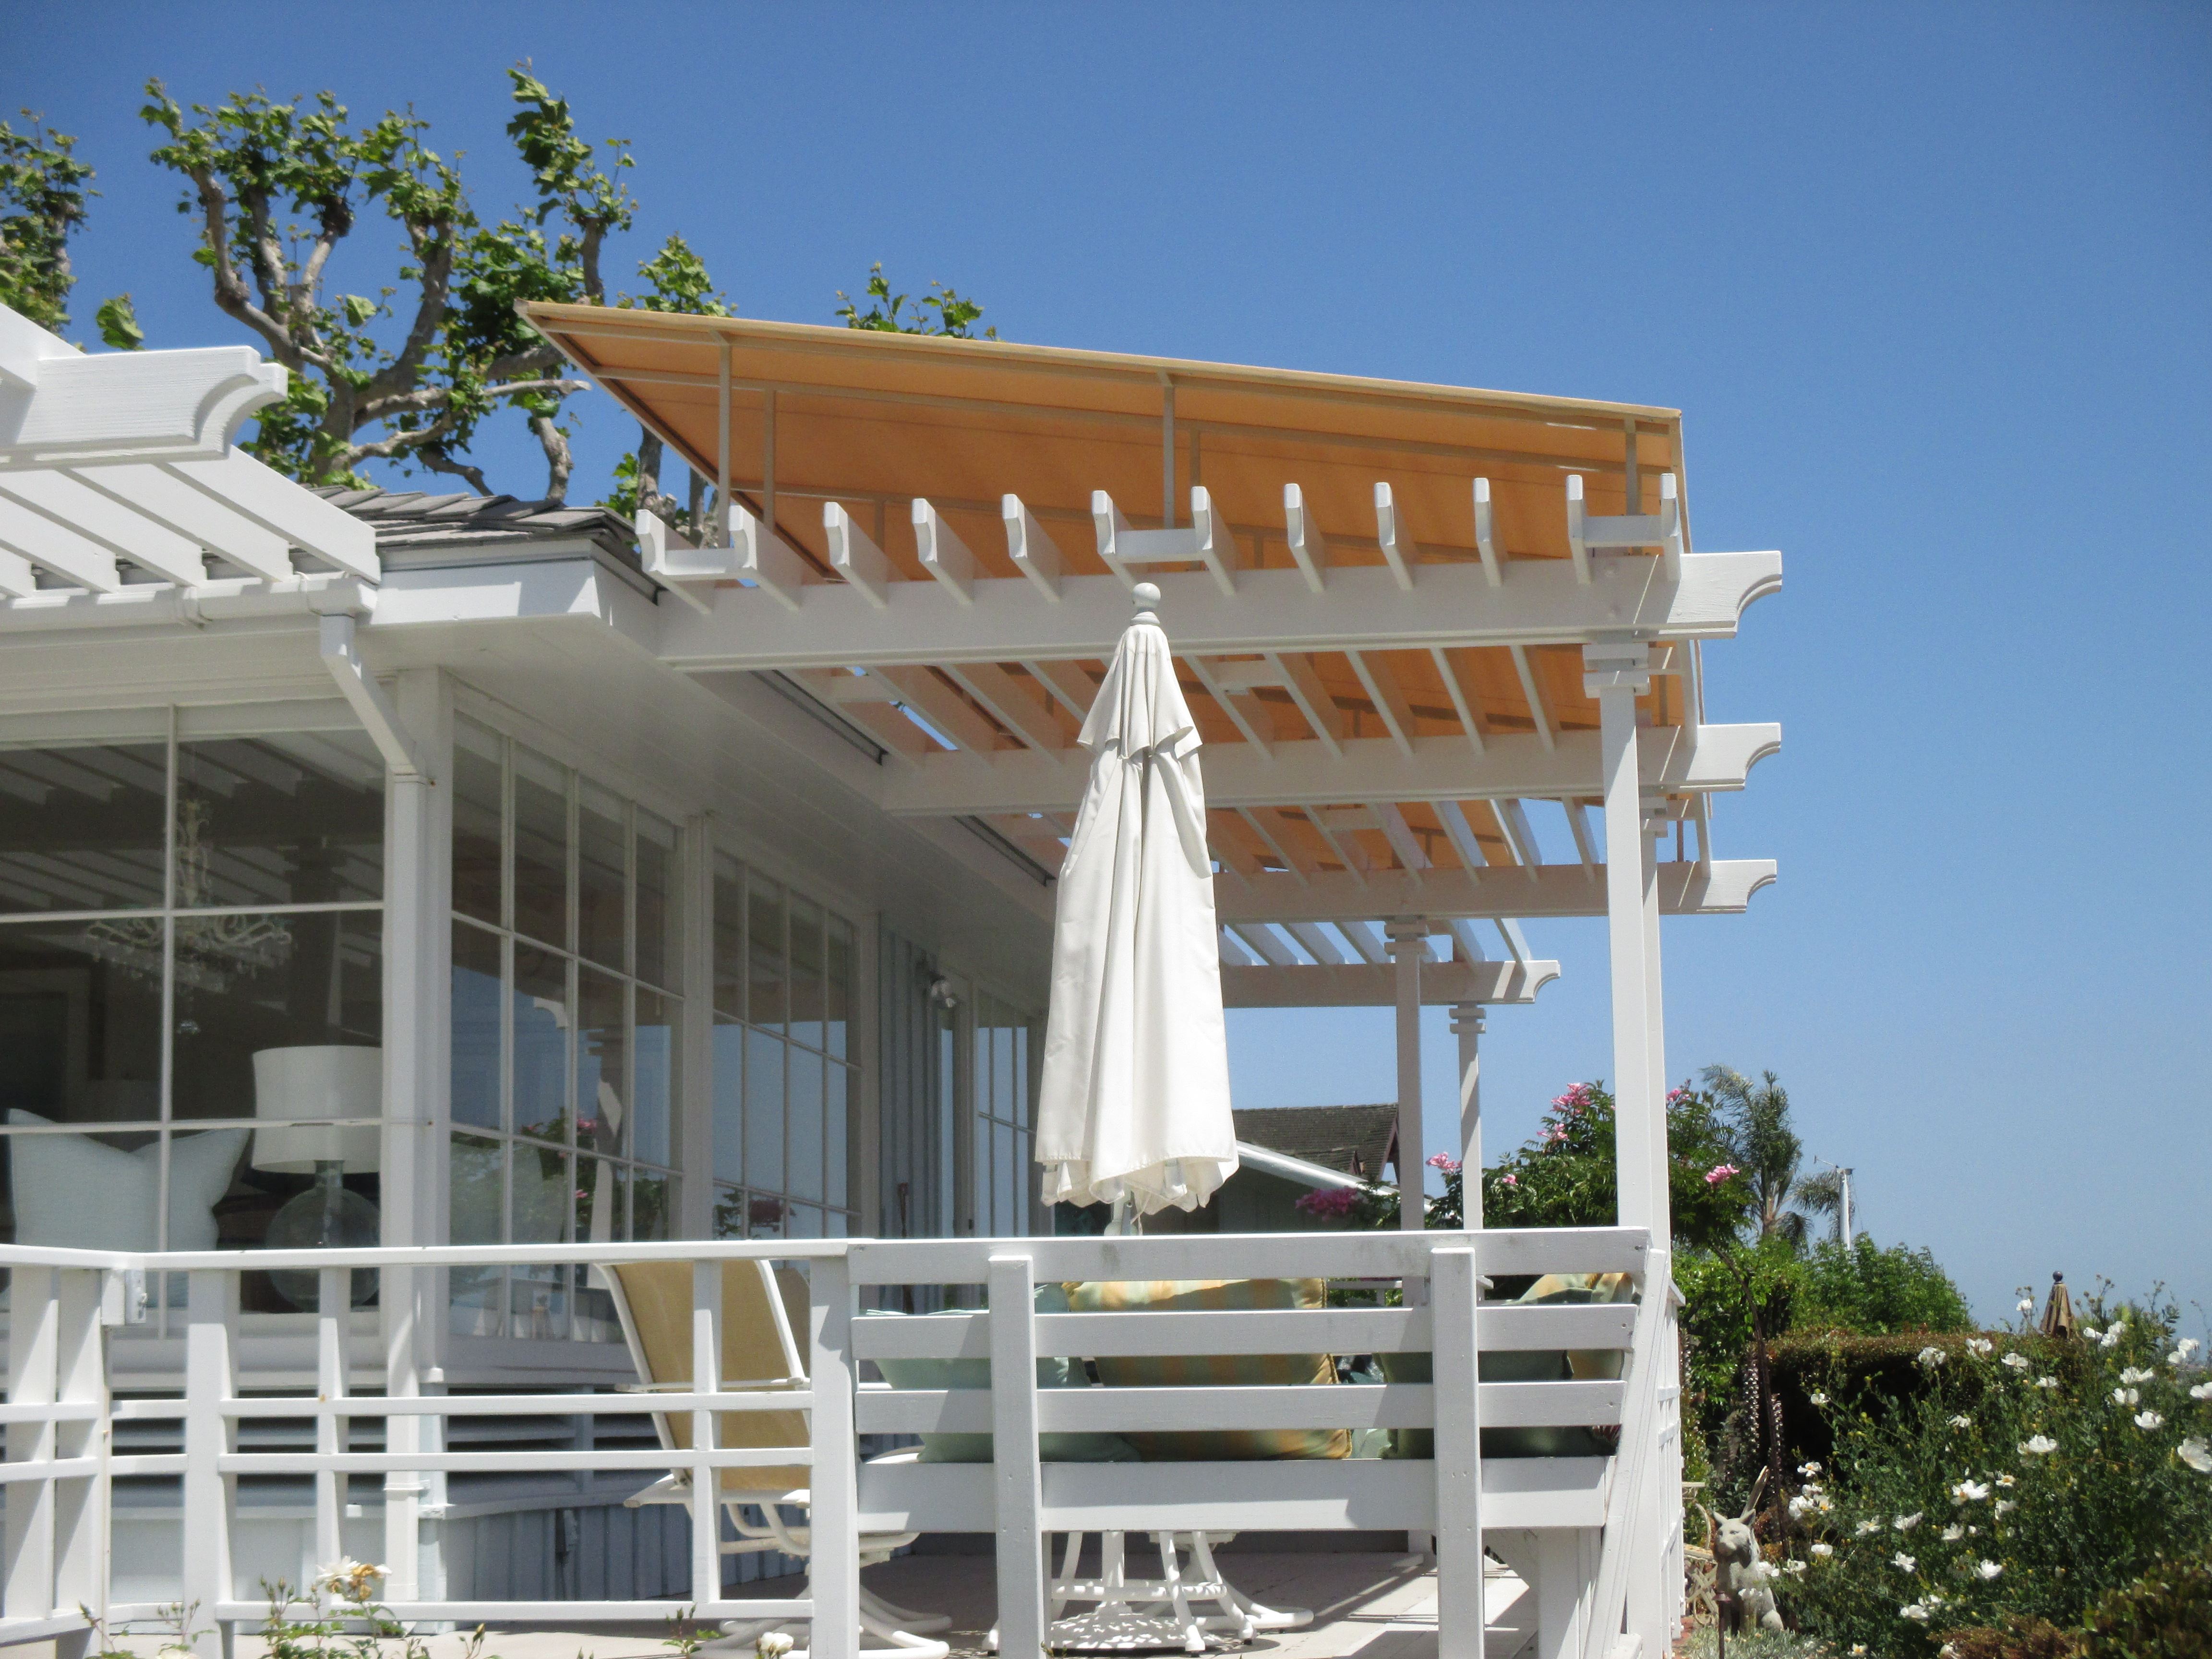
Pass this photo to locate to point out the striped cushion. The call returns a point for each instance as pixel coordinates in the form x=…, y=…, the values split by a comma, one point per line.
x=1172, y=1371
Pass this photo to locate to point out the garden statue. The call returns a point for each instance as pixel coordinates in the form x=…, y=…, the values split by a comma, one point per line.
x=1741, y=1574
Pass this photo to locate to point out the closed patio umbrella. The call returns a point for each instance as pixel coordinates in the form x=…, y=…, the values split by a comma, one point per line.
x=1134, y=1100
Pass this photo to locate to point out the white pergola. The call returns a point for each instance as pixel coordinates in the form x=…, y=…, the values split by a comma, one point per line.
x=1414, y=621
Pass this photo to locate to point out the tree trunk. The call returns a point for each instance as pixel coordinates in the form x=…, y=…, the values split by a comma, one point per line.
x=559, y=462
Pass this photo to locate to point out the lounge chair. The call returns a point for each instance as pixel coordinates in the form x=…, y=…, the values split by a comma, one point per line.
x=762, y=1309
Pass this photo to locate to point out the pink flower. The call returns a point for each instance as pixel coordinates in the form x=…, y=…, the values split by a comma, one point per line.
x=1333, y=1204
x=1719, y=1173
x=1443, y=1161
x=1674, y=1096
x=1509, y=1180
x=1555, y=1134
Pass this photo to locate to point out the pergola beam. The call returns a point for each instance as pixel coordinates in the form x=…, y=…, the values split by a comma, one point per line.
x=1374, y=985
x=830, y=625
x=1368, y=771
x=1724, y=888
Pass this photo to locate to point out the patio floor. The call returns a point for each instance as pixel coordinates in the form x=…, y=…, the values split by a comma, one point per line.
x=1372, y=1603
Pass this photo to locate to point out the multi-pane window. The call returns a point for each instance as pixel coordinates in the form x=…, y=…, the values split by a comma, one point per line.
x=786, y=1096
x=170, y=911
x=567, y=1007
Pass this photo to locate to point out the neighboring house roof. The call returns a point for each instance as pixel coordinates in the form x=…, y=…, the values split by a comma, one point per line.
x=1356, y=1140
x=417, y=521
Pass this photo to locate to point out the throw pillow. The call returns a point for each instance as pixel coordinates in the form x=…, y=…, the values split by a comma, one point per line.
x=76, y=1193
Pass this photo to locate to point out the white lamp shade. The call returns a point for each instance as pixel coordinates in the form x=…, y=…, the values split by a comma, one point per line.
x=326, y=1081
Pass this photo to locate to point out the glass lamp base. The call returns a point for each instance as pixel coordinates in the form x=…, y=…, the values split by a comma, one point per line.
x=326, y=1217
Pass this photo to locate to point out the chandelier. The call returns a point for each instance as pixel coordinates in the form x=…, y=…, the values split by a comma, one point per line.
x=211, y=950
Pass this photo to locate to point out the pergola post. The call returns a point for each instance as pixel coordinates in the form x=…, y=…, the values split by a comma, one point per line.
x=1409, y=943
x=1615, y=675
x=1466, y=1026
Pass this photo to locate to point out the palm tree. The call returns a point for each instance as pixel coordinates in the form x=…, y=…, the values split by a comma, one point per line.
x=1771, y=1154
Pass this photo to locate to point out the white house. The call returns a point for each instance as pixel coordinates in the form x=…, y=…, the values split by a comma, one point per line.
x=705, y=892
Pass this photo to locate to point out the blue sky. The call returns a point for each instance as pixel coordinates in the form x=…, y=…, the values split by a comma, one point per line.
x=1930, y=284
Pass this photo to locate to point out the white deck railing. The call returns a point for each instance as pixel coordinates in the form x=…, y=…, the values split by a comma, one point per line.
x=61, y=1462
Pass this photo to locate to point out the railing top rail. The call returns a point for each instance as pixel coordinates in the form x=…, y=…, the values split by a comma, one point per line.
x=952, y=1260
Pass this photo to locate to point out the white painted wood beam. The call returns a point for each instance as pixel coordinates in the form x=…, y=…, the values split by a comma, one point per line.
x=1366, y=938
x=1517, y=943
x=1464, y=936
x=379, y=717
x=1558, y=889
x=1271, y=610
x=764, y=559
x=1067, y=683
x=1209, y=542
x=1462, y=703
x=854, y=556
x=196, y=515
x=944, y=555
x=1538, y=711
x=1362, y=770
x=1513, y=818
x=1315, y=704
x=1265, y=943
x=57, y=548
x=1458, y=831
x=1400, y=834
x=1318, y=945
x=1381, y=688
x=1340, y=837
x=1034, y=554
x=1297, y=868
x=1243, y=710
x=1374, y=985
x=144, y=540
x=1629, y=530
x=1309, y=547
x=688, y=571
x=1486, y=540
x=1579, y=826
x=1399, y=551
x=936, y=702
x=1234, y=953
x=301, y=517
x=1010, y=703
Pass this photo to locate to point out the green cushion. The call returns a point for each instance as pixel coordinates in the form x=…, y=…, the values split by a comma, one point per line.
x=1051, y=1373
x=1514, y=1365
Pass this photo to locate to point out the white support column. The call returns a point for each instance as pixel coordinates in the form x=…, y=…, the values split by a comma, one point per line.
x=211, y=1340
x=1016, y=1480
x=1409, y=943
x=1615, y=675
x=33, y=1345
x=1466, y=1026
x=1454, y=1288
x=1656, y=1031
x=695, y=1103
x=833, y=1567
x=417, y=971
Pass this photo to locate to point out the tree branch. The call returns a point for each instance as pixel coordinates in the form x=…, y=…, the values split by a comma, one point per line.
x=439, y=459
x=231, y=296
x=559, y=464
x=441, y=397
x=436, y=268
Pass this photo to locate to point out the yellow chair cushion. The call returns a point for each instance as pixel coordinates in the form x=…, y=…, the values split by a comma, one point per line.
x=1216, y=1370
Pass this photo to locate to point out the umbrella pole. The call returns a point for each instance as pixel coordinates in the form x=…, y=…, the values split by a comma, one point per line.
x=1121, y=1224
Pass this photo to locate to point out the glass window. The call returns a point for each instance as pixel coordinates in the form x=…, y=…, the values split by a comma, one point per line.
x=806, y=1002
x=541, y=848
x=296, y=819
x=729, y=1100
x=82, y=828
x=602, y=880
x=475, y=1023
x=764, y=1000
x=839, y=984
x=164, y=1008
x=602, y=1063
x=479, y=822
x=653, y=1095
x=764, y=1061
x=244, y=983
x=839, y=1100
x=659, y=956
x=540, y=1007
x=730, y=938
x=805, y=1117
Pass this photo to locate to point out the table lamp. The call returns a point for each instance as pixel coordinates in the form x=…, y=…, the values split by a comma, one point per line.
x=327, y=1081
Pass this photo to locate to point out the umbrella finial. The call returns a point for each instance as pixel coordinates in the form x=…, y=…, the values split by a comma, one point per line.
x=1146, y=595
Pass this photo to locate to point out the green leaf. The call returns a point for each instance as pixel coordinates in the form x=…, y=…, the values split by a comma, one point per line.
x=118, y=324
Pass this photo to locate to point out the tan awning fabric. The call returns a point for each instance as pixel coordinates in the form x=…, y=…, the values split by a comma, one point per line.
x=863, y=417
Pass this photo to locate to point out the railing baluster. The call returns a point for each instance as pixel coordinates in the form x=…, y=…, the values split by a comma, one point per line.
x=210, y=1321
x=80, y=1504
x=1454, y=1288
x=1016, y=1483
x=706, y=1378
x=834, y=1567
x=334, y=1307
x=403, y=1488
x=34, y=1335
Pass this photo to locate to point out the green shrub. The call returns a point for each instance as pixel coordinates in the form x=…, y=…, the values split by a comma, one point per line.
x=2004, y=1486
x=1861, y=1286
x=2164, y=1614
x=2019, y=1638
